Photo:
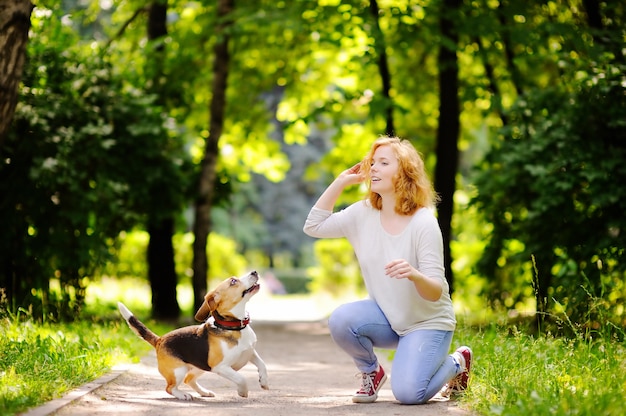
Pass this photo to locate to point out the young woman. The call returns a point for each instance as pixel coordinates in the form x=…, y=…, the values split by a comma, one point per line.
x=398, y=244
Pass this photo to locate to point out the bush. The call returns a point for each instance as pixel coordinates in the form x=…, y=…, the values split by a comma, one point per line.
x=338, y=271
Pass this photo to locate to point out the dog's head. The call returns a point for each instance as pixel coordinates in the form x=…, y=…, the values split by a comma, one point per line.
x=229, y=298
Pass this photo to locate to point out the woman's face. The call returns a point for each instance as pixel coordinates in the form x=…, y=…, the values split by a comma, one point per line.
x=383, y=168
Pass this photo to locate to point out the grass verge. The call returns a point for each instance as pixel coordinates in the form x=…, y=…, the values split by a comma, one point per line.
x=518, y=374
x=40, y=362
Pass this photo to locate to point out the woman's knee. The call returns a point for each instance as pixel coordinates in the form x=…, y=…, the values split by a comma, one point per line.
x=348, y=316
x=407, y=394
x=406, y=389
x=339, y=320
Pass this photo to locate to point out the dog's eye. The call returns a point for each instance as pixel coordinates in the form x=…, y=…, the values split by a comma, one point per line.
x=233, y=282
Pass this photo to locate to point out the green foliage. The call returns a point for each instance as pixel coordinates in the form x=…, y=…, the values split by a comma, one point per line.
x=467, y=248
x=552, y=189
x=338, y=272
x=225, y=259
x=104, y=292
x=129, y=256
x=89, y=156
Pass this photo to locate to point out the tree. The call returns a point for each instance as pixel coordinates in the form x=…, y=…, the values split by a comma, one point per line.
x=161, y=266
x=207, y=179
x=449, y=125
x=383, y=67
x=14, y=26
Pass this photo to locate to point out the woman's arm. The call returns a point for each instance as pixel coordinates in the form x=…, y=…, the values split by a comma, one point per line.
x=321, y=222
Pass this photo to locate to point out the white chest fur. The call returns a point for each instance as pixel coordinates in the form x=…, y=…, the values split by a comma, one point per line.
x=236, y=356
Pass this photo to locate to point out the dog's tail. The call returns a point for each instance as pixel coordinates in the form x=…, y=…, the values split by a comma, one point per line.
x=137, y=326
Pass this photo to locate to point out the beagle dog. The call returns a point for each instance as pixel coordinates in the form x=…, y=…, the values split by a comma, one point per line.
x=222, y=345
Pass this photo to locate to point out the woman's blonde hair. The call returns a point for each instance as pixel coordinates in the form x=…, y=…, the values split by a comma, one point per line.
x=412, y=185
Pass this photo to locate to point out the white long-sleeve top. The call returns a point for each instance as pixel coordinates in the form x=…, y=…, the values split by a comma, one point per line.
x=420, y=243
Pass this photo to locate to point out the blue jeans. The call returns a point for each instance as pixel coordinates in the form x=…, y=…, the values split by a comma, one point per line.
x=421, y=365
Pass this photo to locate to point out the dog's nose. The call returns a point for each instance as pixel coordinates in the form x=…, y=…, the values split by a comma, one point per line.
x=254, y=273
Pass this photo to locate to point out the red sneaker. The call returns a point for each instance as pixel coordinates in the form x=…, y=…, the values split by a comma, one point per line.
x=459, y=383
x=370, y=384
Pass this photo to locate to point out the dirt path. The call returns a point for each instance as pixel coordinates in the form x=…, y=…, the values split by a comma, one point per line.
x=308, y=375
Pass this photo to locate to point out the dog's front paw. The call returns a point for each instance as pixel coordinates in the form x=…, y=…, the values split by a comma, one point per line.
x=207, y=393
x=264, y=383
x=243, y=392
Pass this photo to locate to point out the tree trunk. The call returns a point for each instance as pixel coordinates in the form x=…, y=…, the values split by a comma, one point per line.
x=594, y=16
x=509, y=54
x=492, y=84
x=14, y=27
x=448, y=131
x=383, y=68
x=542, y=282
x=598, y=29
x=206, y=189
x=162, y=271
x=161, y=265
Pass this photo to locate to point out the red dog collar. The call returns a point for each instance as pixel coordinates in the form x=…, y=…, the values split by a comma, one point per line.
x=233, y=325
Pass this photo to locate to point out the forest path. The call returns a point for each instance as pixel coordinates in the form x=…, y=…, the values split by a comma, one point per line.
x=308, y=375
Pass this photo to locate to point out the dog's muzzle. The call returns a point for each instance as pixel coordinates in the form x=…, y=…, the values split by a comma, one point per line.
x=250, y=289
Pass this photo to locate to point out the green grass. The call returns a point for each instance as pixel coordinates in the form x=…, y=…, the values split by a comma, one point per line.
x=41, y=362
x=518, y=374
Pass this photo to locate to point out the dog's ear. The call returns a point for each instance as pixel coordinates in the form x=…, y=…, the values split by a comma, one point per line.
x=207, y=307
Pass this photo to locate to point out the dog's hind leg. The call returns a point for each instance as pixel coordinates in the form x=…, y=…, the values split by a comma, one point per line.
x=260, y=365
x=191, y=380
x=174, y=377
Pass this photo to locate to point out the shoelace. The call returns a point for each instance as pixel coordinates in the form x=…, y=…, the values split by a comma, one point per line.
x=453, y=385
x=367, y=382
